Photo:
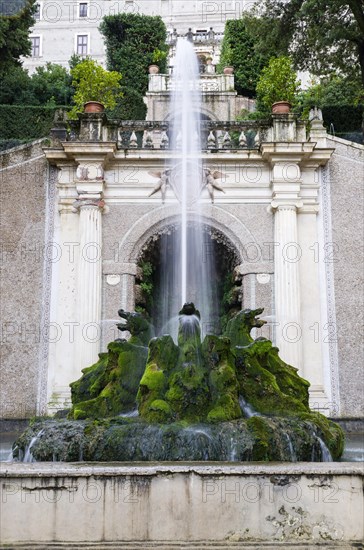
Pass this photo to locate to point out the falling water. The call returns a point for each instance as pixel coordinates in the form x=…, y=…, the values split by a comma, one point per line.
x=246, y=408
x=28, y=456
x=188, y=274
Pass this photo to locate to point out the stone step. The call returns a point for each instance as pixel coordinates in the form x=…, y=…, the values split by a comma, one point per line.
x=191, y=545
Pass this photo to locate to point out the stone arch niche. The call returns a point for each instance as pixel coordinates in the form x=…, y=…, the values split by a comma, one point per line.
x=224, y=228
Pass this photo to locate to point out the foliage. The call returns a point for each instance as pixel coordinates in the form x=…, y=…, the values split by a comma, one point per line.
x=93, y=83
x=16, y=88
x=340, y=100
x=277, y=82
x=159, y=56
x=322, y=36
x=343, y=118
x=334, y=90
x=238, y=50
x=14, y=35
x=133, y=42
x=25, y=122
x=51, y=83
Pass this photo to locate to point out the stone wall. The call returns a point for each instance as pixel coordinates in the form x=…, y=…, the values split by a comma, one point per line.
x=183, y=505
x=345, y=257
x=23, y=186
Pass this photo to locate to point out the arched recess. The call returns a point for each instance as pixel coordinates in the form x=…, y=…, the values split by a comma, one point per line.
x=207, y=114
x=154, y=222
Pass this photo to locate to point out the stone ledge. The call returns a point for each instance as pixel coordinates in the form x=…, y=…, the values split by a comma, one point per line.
x=107, y=469
x=192, y=545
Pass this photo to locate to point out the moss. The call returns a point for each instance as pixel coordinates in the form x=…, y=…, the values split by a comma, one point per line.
x=110, y=386
x=202, y=383
x=331, y=433
x=262, y=434
x=160, y=411
x=239, y=327
x=86, y=387
x=264, y=387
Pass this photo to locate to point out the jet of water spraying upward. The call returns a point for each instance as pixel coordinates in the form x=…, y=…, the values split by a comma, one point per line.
x=186, y=140
x=187, y=264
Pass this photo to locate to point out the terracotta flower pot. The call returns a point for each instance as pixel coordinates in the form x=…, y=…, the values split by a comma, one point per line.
x=228, y=70
x=281, y=107
x=93, y=107
x=153, y=69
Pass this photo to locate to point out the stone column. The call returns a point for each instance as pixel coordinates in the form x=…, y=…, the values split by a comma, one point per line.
x=89, y=282
x=287, y=286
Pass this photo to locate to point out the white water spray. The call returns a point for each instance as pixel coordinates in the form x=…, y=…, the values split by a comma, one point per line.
x=187, y=263
x=186, y=141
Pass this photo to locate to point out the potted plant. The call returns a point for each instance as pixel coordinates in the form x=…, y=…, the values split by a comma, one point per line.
x=158, y=57
x=95, y=88
x=277, y=86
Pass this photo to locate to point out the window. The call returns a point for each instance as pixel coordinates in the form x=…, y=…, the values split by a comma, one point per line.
x=35, y=40
x=82, y=44
x=83, y=9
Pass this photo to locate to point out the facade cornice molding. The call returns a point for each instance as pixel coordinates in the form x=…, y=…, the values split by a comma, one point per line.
x=281, y=152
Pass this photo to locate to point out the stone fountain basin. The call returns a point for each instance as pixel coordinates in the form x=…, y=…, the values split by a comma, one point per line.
x=182, y=505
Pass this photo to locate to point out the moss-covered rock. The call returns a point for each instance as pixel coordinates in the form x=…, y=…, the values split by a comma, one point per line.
x=223, y=383
x=189, y=391
x=110, y=386
x=162, y=357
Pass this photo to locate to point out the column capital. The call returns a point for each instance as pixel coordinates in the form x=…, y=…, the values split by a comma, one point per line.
x=281, y=204
x=89, y=202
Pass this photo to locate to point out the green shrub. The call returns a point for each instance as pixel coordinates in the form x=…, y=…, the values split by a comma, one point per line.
x=133, y=42
x=93, y=83
x=25, y=122
x=277, y=82
x=238, y=50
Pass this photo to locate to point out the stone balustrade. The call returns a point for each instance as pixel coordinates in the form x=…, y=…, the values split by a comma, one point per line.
x=130, y=134
x=207, y=83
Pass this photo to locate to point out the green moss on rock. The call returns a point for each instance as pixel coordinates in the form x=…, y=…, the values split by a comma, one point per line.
x=190, y=391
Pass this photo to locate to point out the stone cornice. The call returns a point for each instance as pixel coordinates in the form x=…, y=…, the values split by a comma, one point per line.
x=286, y=151
x=100, y=151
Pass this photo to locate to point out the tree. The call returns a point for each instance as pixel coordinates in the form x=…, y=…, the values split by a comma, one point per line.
x=238, y=50
x=93, y=83
x=14, y=34
x=51, y=83
x=277, y=82
x=322, y=36
x=132, y=43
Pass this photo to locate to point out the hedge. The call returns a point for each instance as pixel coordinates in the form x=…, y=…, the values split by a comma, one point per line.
x=25, y=122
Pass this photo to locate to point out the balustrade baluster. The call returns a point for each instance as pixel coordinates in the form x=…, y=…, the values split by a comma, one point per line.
x=133, y=142
x=164, y=141
x=211, y=141
x=243, y=140
x=226, y=142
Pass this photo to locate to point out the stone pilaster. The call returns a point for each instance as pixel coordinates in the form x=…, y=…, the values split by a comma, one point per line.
x=89, y=281
x=287, y=285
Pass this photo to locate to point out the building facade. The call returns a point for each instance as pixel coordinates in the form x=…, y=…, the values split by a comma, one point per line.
x=78, y=218
x=64, y=28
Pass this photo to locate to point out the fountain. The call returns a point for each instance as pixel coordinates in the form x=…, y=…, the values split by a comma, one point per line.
x=192, y=396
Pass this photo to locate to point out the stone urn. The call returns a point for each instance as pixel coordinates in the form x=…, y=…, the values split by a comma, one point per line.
x=153, y=69
x=93, y=107
x=228, y=70
x=281, y=107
